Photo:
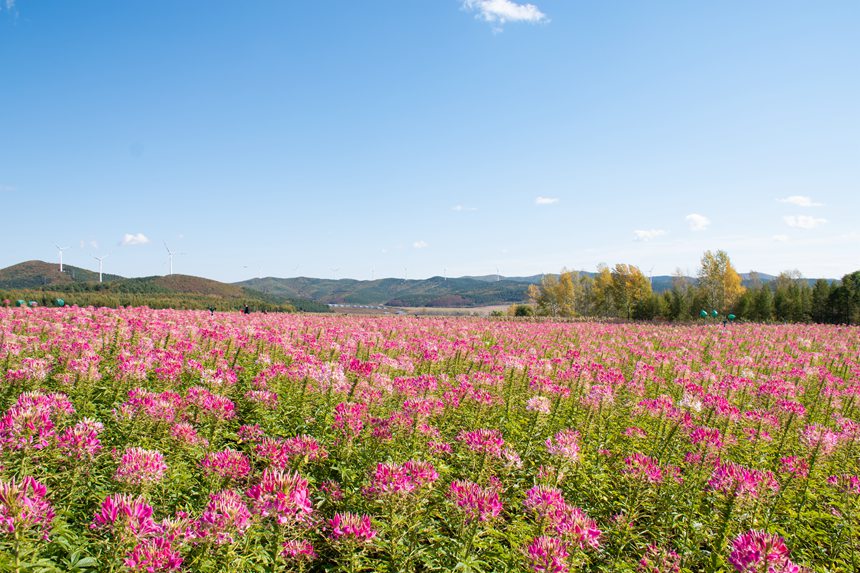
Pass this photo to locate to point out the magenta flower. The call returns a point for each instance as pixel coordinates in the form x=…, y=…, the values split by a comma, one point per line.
x=125, y=516
x=756, y=551
x=846, y=483
x=659, y=560
x=185, y=433
x=214, y=405
x=24, y=507
x=282, y=496
x=735, y=479
x=81, y=441
x=548, y=555
x=226, y=517
x=565, y=444
x=350, y=526
x=299, y=551
x=547, y=503
x=647, y=469
x=139, y=466
x=349, y=418
x=476, y=502
x=579, y=529
x=488, y=442
x=400, y=478
x=154, y=556
x=227, y=464
x=821, y=438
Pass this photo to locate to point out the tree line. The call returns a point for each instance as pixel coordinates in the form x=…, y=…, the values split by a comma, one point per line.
x=623, y=291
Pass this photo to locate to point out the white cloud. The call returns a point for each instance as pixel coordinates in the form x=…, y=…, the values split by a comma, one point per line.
x=780, y=238
x=801, y=201
x=463, y=208
x=130, y=239
x=420, y=245
x=648, y=234
x=803, y=221
x=546, y=200
x=500, y=12
x=697, y=222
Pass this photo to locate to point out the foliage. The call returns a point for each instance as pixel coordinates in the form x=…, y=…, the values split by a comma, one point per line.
x=154, y=440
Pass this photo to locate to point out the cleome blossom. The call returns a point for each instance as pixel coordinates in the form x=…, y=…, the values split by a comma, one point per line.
x=139, y=466
x=282, y=496
x=24, y=507
x=756, y=551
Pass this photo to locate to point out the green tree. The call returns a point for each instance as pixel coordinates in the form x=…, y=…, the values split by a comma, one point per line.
x=719, y=281
x=629, y=288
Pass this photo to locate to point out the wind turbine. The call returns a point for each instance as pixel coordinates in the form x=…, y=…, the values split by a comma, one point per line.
x=170, y=256
x=651, y=277
x=60, y=250
x=445, y=274
x=334, y=272
x=100, y=260
x=498, y=276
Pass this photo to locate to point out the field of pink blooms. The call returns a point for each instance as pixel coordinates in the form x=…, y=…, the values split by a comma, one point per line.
x=142, y=440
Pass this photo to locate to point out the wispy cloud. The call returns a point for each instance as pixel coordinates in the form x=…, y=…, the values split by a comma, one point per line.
x=803, y=221
x=780, y=238
x=648, y=234
x=500, y=12
x=463, y=208
x=130, y=239
x=10, y=5
x=801, y=201
x=420, y=245
x=540, y=200
x=697, y=222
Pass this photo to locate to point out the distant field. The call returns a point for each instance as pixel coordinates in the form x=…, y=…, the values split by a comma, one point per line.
x=421, y=310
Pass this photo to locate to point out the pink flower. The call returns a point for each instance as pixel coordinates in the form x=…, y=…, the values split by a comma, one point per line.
x=227, y=464
x=349, y=418
x=401, y=479
x=547, y=502
x=214, y=405
x=125, y=516
x=756, y=551
x=564, y=444
x=225, y=517
x=846, y=482
x=23, y=506
x=659, y=560
x=579, y=529
x=821, y=438
x=282, y=496
x=346, y=526
x=539, y=404
x=81, y=441
x=476, y=502
x=154, y=555
x=794, y=466
x=547, y=555
x=185, y=432
x=483, y=441
x=299, y=551
x=647, y=469
x=735, y=479
x=139, y=466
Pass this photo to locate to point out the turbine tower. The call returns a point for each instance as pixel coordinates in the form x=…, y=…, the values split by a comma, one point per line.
x=100, y=260
x=60, y=250
x=170, y=257
x=498, y=276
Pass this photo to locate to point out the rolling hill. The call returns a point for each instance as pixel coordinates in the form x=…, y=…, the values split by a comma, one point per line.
x=39, y=274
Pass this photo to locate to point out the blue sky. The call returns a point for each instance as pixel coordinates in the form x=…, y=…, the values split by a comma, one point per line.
x=389, y=138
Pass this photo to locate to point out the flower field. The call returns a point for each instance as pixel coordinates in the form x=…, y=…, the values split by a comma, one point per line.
x=142, y=440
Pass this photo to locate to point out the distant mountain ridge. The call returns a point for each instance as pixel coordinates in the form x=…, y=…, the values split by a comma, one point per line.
x=308, y=293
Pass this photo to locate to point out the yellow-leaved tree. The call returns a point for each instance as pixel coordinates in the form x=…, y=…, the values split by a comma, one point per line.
x=719, y=281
